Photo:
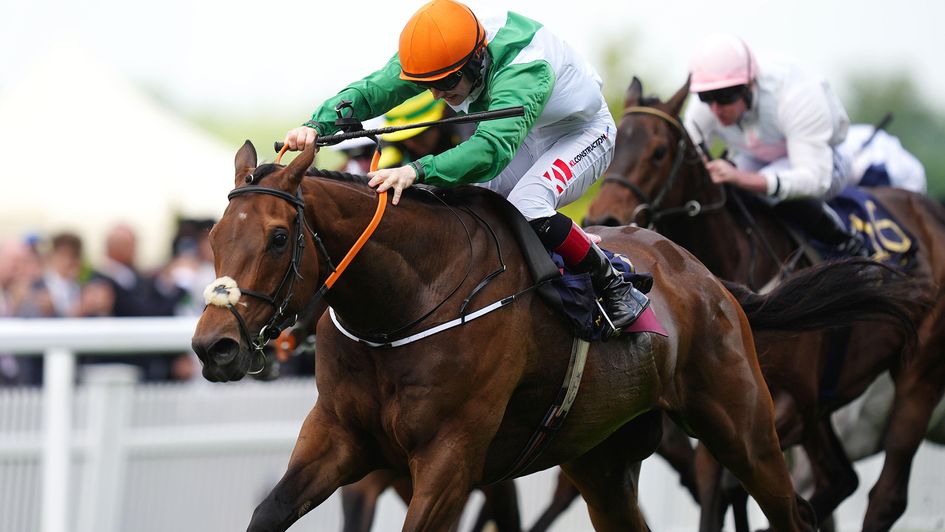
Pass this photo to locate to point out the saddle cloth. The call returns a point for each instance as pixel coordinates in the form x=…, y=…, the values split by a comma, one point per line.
x=573, y=296
x=887, y=240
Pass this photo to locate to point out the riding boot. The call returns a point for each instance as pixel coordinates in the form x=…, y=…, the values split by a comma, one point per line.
x=820, y=221
x=621, y=301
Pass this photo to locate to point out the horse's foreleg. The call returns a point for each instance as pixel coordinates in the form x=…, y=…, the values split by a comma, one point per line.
x=442, y=480
x=916, y=396
x=564, y=495
x=833, y=473
x=709, y=483
x=679, y=452
x=325, y=457
x=608, y=475
x=500, y=507
x=359, y=500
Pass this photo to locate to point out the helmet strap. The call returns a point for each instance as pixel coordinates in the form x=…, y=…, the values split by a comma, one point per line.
x=472, y=70
x=748, y=95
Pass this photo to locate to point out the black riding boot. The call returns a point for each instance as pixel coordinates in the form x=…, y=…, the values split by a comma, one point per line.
x=820, y=221
x=622, y=303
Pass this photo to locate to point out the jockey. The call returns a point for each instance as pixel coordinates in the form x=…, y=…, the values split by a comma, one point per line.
x=879, y=160
x=540, y=161
x=781, y=125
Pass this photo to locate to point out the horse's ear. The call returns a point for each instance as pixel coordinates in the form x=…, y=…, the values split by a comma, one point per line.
x=634, y=93
x=245, y=162
x=676, y=102
x=296, y=169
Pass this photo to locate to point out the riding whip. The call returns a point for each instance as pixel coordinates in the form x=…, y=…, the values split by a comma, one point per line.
x=460, y=119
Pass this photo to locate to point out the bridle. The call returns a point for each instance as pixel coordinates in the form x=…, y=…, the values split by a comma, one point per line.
x=684, y=147
x=278, y=320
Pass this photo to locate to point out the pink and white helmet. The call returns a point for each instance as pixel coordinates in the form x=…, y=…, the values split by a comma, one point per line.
x=721, y=60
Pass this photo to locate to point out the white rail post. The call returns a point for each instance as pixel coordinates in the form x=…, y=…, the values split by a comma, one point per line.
x=58, y=374
x=110, y=388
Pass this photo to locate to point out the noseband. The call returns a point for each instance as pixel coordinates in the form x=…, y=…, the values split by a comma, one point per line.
x=691, y=208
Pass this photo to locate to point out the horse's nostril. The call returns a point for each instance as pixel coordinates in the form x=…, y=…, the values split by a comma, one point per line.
x=223, y=351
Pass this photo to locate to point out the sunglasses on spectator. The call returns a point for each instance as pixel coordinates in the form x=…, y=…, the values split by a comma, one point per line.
x=726, y=96
x=446, y=83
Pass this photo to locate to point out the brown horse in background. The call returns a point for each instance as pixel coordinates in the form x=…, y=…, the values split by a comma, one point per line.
x=455, y=409
x=657, y=178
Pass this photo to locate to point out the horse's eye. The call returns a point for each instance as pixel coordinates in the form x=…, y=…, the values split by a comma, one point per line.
x=279, y=240
x=659, y=153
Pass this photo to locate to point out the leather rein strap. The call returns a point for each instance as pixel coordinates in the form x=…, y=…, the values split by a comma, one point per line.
x=649, y=206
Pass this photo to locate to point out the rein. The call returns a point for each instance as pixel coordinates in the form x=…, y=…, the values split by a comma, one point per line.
x=684, y=146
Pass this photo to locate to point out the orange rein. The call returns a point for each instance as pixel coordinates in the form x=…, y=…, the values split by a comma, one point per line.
x=368, y=231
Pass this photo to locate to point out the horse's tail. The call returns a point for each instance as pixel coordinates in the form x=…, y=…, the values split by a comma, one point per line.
x=834, y=294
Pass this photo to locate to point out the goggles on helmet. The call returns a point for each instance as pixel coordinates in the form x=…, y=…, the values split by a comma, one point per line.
x=724, y=96
x=446, y=83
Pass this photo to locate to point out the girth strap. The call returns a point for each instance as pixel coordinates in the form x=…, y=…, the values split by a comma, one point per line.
x=557, y=413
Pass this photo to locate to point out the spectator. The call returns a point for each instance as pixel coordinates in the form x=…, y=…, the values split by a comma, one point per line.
x=20, y=269
x=61, y=274
x=191, y=267
x=132, y=294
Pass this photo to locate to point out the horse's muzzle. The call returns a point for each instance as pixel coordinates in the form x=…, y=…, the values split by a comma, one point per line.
x=220, y=358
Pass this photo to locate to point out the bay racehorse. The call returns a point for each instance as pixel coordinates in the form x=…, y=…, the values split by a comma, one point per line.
x=658, y=179
x=454, y=409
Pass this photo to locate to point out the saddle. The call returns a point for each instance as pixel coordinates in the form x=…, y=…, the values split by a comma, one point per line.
x=571, y=295
x=860, y=212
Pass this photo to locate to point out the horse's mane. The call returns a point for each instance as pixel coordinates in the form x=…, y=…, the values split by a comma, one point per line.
x=455, y=196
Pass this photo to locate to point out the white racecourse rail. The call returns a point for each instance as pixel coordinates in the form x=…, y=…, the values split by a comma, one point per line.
x=111, y=454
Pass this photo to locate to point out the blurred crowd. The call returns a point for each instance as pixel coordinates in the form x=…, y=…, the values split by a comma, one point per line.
x=49, y=277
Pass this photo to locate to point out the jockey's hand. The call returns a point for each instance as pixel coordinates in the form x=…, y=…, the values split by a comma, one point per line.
x=300, y=138
x=722, y=171
x=397, y=179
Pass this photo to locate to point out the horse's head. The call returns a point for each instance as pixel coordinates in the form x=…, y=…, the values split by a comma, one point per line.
x=650, y=151
x=263, y=276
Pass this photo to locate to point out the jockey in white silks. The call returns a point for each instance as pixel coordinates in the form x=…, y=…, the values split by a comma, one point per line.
x=882, y=161
x=781, y=127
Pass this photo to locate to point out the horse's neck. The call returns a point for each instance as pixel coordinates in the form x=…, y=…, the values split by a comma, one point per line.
x=714, y=238
x=720, y=240
x=394, y=275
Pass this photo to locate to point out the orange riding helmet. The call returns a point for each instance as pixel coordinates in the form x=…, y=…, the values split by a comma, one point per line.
x=438, y=40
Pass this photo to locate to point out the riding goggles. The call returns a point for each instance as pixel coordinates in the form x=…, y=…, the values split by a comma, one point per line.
x=725, y=96
x=446, y=83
